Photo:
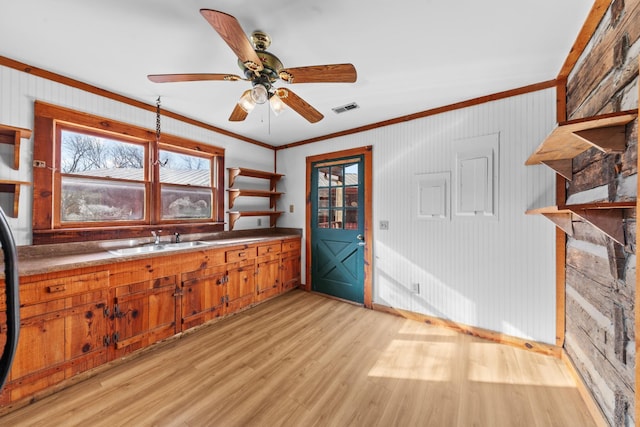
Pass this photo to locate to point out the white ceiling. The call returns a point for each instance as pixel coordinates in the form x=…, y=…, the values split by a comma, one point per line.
x=411, y=55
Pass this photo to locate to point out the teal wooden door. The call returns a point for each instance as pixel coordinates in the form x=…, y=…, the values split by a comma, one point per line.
x=337, y=228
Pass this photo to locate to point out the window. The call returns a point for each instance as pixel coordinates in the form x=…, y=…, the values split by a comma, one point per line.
x=103, y=180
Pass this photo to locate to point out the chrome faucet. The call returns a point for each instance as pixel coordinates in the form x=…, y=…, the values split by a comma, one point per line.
x=156, y=234
x=177, y=237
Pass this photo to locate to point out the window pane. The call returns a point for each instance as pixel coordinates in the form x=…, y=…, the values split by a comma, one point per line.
x=337, y=219
x=336, y=197
x=84, y=154
x=90, y=200
x=323, y=198
x=185, y=203
x=351, y=219
x=184, y=169
x=323, y=177
x=351, y=197
x=323, y=218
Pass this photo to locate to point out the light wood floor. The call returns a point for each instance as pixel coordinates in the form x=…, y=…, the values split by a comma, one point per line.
x=305, y=360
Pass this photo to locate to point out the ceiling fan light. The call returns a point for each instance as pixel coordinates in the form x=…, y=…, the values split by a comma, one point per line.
x=259, y=94
x=277, y=106
x=246, y=102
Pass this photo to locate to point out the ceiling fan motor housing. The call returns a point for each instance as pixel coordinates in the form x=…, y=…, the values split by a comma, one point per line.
x=270, y=62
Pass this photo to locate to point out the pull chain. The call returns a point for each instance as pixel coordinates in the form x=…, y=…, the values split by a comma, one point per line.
x=158, y=120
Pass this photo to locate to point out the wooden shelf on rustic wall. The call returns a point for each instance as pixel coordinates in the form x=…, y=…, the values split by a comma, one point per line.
x=568, y=139
x=271, y=193
x=12, y=136
x=605, y=216
x=7, y=186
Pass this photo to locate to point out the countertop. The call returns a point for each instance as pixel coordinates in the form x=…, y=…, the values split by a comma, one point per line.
x=56, y=257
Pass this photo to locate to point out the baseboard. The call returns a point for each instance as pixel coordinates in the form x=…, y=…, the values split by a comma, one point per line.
x=592, y=405
x=498, y=337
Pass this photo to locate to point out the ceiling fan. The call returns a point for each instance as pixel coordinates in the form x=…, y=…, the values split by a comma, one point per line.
x=263, y=69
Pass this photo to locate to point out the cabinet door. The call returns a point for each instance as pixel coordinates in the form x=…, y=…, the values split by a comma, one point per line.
x=290, y=270
x=203, y=295
x=57, y=343
x=241, y=287
x=267, y=277
x=143, y=313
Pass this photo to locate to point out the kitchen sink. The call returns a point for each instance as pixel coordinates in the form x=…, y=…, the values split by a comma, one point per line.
x=163, y=247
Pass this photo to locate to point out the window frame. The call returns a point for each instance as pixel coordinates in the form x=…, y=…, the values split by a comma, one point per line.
x=46, y=225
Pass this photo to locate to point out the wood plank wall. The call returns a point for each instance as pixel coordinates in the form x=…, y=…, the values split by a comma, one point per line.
x=600, y=274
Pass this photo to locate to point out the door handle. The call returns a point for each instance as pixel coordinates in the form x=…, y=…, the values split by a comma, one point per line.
x=361, y=238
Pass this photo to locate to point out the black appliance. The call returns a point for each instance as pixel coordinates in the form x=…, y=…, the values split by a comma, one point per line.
x=8, y=247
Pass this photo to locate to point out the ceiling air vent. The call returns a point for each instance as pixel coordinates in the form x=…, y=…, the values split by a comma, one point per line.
x=345, y=108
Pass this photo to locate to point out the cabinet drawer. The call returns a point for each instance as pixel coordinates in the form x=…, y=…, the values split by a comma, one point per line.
x=52, y=289
x=241, y=254
x=269, y=249
x=290, y=245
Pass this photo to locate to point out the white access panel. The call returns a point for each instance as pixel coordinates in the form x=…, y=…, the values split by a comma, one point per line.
x=476, y=184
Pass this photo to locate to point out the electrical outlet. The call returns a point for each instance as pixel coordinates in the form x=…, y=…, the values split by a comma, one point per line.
x=415, y=288
x=259, y=222
x=291, y=208
x=39, y=164
x=384, y=225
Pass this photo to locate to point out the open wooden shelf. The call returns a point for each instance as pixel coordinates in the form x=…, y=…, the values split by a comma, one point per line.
x=252, y=173
x=235, y=215
x=568, y=139
x=605, y=216
x=271, y=193
x=234, y=193
x=12, y=135
x=7, y=186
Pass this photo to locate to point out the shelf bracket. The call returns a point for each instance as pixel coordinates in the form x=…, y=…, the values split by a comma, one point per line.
x=610, y=139
x=609, y=221
x=562, y=221
x=563, y=167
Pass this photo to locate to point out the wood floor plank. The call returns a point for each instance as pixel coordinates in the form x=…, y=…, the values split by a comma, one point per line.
x=305, y=360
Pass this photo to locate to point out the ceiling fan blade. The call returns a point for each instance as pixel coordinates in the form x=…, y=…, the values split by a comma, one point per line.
x=239, y=114
x=333, y=73
x=299, y=105
x=167, y=78
x=232, y=33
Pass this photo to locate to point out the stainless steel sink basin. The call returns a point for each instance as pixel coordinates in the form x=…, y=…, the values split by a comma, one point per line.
x=163, y=247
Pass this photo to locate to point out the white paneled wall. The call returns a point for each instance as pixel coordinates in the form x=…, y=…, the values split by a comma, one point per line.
x=19, y=90
x=497, y=274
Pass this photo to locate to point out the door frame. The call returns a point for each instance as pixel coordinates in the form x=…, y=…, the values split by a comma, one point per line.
x=367, y=154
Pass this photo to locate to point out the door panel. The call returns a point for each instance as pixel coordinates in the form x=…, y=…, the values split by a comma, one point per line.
x=337, y=227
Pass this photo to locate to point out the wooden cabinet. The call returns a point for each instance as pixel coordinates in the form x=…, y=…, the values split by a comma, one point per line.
x=268, y=271
x=203, y=295
x=241, y=287
x=606, y=133
x=269, y=193
x=75, y=320
x=63, y=329
x=290, y=264
x=143, y=313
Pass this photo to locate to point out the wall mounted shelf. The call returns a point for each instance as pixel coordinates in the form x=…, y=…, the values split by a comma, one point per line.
x=234, y=193
x=235, y=215
x=568, y=139
x=12, y=136
x=605, y=216
x=271, y=193
x=7, y=186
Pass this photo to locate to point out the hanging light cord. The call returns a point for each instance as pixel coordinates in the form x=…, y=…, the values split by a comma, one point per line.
x=158, y=120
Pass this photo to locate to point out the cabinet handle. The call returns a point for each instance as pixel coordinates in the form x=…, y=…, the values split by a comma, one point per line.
x=56, y=288
x=241, y=254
